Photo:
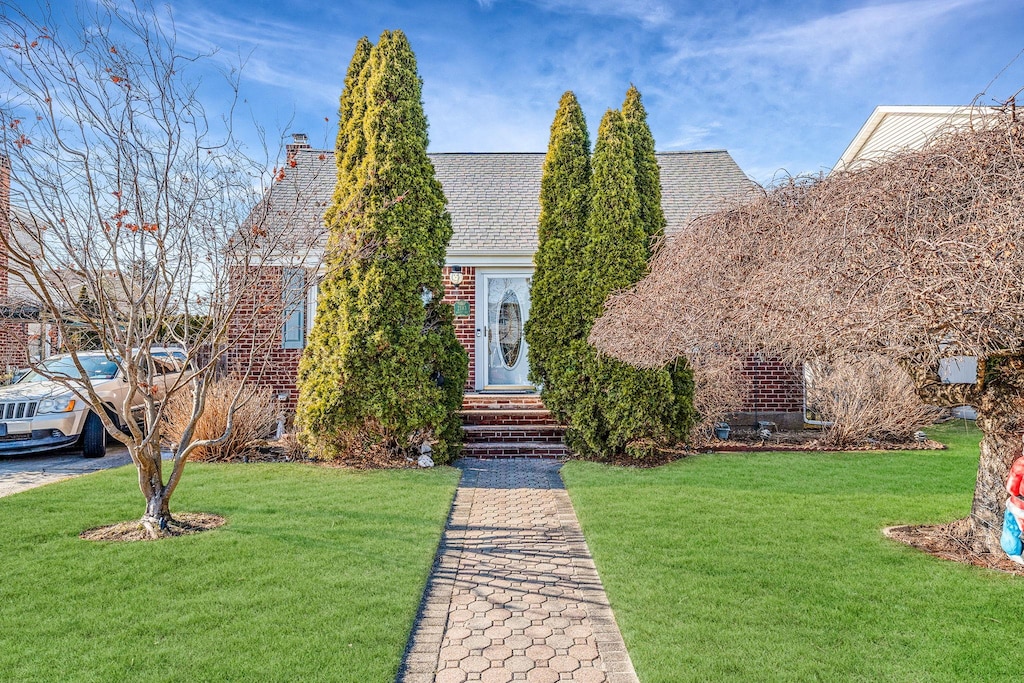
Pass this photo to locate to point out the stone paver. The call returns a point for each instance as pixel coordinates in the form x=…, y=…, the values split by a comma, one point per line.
x=26, y=472
x=514, y=595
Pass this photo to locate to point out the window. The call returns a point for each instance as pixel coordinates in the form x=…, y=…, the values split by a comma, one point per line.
x=293, y=301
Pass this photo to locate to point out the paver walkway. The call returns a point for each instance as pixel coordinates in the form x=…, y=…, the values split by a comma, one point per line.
x=515, y=595
x=26, y=472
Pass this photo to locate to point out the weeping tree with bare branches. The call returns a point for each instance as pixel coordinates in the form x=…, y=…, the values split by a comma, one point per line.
x=134, y=219
x=916, y=257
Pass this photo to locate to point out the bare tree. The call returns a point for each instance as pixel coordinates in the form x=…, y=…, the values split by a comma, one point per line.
x=140, y=217
x=916, y=257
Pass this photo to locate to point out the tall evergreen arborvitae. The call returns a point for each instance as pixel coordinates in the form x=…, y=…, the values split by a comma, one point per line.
x=350, y=147
x=383, y=369
x=648, y=176
x=557, y=307
x=648, y=187
x=615, y=407
x=616, y=252
x=320, y=375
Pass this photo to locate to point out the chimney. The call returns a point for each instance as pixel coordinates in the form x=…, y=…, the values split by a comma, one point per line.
x=299, y=141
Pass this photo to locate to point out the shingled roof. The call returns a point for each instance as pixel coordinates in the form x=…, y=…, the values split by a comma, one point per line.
x=493, y=197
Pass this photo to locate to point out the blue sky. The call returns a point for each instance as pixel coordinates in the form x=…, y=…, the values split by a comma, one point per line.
x=783, y=85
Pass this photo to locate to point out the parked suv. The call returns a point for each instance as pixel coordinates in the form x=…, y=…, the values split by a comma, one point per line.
x=38, y=414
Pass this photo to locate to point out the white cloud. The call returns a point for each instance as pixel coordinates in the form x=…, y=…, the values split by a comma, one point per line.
x=268, y=52
x=650, y=13
x=847, y=42
x=692, y=136
x=466, y=118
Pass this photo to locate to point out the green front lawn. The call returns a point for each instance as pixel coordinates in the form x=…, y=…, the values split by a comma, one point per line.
x=773, y=567
x=316, y=576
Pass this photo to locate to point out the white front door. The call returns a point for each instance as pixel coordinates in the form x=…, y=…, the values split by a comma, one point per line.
x=503, y=306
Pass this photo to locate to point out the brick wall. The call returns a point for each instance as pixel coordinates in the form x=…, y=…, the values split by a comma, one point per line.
x=5, y=217
x=465, y=326
x=256, y=330
x=776, y=388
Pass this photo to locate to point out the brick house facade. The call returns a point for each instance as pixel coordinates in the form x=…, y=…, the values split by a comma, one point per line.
x=256, y=333
x=493, y=202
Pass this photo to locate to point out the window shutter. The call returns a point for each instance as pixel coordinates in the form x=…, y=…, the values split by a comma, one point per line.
x=293, y=299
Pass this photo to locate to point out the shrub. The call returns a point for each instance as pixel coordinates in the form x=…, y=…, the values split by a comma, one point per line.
x=599, y=218
x=255, y=418
x=865, y=397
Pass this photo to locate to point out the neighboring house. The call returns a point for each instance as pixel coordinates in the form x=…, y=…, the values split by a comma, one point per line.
x=493, y=199
x=893, y=129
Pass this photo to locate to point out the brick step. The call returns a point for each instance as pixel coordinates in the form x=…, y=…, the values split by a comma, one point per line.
x=511, y=433
x=507, y=417
x=502, y=402
x=519, y=449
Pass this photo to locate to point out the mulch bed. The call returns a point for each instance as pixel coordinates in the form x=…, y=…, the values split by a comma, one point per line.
x=659, y=457
x=287, y=450
x=746, y=440
x=951, y=542
x=184, y=524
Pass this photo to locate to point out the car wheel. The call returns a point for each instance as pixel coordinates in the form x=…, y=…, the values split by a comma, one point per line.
x=94, y=437
x=116, y=419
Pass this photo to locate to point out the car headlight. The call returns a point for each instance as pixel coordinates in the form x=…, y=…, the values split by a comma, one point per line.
x=61, y=404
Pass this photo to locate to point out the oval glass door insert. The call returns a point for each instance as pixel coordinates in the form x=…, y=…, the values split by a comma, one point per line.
x=510, y=328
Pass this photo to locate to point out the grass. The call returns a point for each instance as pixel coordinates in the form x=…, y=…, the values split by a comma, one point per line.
x=772, y=567
x=317, y=576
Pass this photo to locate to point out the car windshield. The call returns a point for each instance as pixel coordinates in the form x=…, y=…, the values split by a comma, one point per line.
x=96, y=367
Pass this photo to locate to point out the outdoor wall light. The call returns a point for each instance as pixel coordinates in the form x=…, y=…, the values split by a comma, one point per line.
x=455, y=276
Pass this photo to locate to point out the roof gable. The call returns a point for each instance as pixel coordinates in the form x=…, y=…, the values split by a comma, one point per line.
x=891, y=129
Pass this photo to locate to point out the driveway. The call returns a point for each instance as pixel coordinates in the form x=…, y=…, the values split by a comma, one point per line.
x=21, y=473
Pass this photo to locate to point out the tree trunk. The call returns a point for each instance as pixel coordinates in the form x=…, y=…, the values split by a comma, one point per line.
x=1000, y=420
x=157, y=515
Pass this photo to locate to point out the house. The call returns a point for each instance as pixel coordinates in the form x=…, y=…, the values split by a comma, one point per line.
x=493, y=199
x=891, y=129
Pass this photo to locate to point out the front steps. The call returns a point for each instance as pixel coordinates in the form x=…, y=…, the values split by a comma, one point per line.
x=510, y=426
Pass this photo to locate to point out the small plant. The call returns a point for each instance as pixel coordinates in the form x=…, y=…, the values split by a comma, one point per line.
x=254, y=419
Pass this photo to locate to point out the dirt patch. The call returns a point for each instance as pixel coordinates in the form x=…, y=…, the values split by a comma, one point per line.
x=183, y=524
x=951, y=542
